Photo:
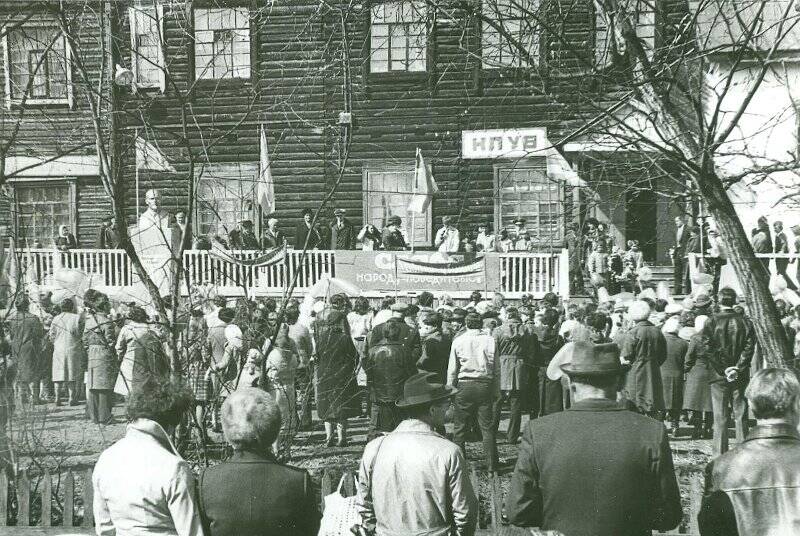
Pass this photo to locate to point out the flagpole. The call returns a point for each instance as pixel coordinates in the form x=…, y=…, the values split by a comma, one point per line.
x=413, y=196
x=136, y=174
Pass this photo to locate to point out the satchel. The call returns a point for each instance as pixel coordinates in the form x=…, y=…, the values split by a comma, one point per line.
x=340, y=514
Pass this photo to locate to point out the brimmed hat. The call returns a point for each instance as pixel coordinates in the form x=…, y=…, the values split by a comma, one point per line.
x=394, y=220
x=422, y=388
x=399, y=307
x=520, y=221
x=593, y=360
x=339, y=212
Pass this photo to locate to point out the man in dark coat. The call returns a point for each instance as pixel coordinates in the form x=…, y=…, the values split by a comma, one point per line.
x=305, y=229
x=388, y=365
x=730, y=343
x=595, y=469
x=392, y=238
x=342, y=233
x=755, y=488
x=243, y=237
x=678, y=253
x=435, y=347
x=408, y=335
x=252, y=494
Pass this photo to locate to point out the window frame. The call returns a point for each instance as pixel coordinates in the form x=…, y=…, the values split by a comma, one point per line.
x=425, y=22
x=158, y=8
x=45, y=182
x=376, y=167
x=521, y=63
x=252, y=62
x=10, y=100
x=536, y=164
x=224, y=170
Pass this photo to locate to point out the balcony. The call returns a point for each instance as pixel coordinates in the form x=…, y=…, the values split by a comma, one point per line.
x=510, y=273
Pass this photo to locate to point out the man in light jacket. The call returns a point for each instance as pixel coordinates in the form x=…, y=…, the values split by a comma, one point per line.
x=475, y=371
x=414, y=481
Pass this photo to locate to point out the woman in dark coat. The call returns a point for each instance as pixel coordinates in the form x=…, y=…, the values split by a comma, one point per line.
x=644, y=349
x=516, y=349
x=697, y=394
x=99, y=337
x=335, y=375
x=549, y=343
x=27, y=345
x=672, y=372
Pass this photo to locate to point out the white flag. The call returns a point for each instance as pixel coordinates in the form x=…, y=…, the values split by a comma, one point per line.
x=424, y=187
x=265, y=190
x=149, y=157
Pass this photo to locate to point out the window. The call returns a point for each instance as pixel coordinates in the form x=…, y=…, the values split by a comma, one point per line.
x=399, y=35
x=643, y=16
x=520, y=33
x=225, y=194
x=526, y=191
x=147, y=58
x=388, y=193
x=41, y=209
x=37, y=55
x=222, y=43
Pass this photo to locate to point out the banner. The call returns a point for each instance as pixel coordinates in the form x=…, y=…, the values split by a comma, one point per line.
x=403, y=271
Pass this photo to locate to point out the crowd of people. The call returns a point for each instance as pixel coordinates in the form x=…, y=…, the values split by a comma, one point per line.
x=597, y=381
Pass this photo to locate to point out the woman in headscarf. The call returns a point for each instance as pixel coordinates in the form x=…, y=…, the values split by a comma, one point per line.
x=643, y=349
x=65, y=240
x=139, y=352
x=281, y=369
x=697, y=394
x=99, y=336
x=66, y=331
x=337, y=360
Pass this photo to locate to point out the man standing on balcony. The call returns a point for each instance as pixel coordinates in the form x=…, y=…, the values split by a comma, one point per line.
x=243, y=237
x=342, y=233
x=678, y=252
x=305, y=230
x=272, y=237
x=447, y=237
x=782, y=247
x=154, y=216
x=393, y=239
x=107, y=239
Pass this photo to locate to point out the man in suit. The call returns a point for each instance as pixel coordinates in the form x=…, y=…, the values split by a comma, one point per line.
x=305, y=229
x=272, y=238
x=342, y=233
x=595, y=469
x=251, y=493
x=678, y=252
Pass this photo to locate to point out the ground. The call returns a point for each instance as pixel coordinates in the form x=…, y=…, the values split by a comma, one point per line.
x=61, y=439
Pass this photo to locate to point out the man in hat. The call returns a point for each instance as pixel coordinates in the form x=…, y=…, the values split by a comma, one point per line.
x=519, y=235
x=595, y=468
x=342, y=233
x=272, y=237
x=475, y=371
x=414, y=481
x=393, y=239
x=305, y=230
x=244, y=237
x=447, y=238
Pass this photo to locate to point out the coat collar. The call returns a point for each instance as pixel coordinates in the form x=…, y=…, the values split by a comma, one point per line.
x=596, y=404
x=154, y=430
x=773, y=431
x=414, y=426
x=249, y=456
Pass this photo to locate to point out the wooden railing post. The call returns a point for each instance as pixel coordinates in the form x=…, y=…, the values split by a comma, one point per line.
x=23, y=499
x=47, y=500
x=88, y=499
x=69, y=499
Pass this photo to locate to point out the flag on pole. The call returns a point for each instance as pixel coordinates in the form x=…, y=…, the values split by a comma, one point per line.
x=149, y=157
x=265, y=190
x=424, y=187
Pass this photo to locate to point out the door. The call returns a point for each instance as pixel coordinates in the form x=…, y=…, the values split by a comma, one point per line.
x=641, y=221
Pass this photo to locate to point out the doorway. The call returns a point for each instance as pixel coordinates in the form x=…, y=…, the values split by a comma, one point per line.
x=641, y=216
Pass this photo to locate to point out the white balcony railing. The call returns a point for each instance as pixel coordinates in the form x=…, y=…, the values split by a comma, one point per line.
x=535, y=273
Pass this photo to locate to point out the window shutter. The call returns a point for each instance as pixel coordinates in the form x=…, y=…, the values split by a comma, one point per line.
x=68, y=72
x=162, y=56
x=7, y=70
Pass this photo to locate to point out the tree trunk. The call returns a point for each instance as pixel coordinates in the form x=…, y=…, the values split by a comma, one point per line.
x=753, y=279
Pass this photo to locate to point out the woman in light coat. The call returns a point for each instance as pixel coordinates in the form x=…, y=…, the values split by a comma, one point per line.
x=140, y=353
x=99, y=336
x=66, y=332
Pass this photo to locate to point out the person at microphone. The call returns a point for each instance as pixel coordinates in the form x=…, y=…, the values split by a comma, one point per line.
x=447, y=237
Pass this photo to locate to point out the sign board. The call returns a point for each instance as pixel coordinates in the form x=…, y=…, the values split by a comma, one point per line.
x=387, y=271
x=503, y=143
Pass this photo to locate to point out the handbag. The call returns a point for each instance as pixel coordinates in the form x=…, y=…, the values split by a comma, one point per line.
x=340, y=514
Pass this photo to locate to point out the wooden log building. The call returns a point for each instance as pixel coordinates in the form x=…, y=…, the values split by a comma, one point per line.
x=222, y=86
